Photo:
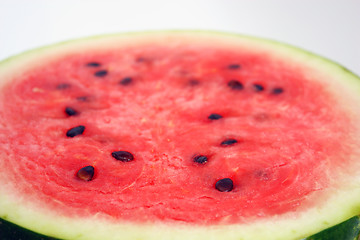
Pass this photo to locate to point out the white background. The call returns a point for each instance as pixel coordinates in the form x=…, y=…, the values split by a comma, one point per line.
x=330, y=28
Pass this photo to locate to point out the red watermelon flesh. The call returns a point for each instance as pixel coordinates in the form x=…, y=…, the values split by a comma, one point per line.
x=173, y=133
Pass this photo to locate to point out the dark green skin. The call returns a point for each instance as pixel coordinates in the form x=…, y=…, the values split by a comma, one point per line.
x=348, y=230
x=10, y=231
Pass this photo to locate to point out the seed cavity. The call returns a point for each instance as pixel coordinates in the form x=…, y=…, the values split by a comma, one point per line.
x=263, y=175
x=126, y=81
x=82, y=98
x=261, y=117
x=193, y=82
x=63, y=86
x=235, y=85
x=101, y=73
x=200, y=159
x=142, y=59
x=72, y=132
x=224, y=185
x=86, y=173
x=93, y=64
x=258, y=87
x=277, y=90
x=234, y=66
x=214, y=116
x=229, y=142
x=122, y=156
x=71, y=111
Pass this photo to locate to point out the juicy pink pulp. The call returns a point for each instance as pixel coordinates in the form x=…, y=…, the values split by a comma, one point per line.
x=285, y=140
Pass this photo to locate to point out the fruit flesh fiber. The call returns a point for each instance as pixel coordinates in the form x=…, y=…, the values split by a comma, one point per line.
x=330, y=195
x=161, y=117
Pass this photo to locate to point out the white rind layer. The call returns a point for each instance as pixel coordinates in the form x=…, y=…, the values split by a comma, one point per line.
x=342, y=198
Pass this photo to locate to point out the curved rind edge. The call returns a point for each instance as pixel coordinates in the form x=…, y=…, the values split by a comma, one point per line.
x=15, y=211
x=348, y=230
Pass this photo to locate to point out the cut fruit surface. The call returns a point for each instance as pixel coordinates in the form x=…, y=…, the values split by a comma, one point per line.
x=177, y=135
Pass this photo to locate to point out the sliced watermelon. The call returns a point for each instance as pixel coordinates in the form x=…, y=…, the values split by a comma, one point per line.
x=178, y=135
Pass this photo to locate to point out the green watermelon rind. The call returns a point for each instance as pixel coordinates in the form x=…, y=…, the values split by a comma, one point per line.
x=348, y=230
x=339, y=207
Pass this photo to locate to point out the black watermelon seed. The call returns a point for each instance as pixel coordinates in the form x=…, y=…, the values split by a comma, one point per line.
x=193, y=82
x=126, y=81
x=101, y=73
x=200, y=159
x=228, y=142
x=234, y=66
x=93, y=64
x=258, y=87
x=214, y=116
x=235, y=85
x=277, y=90
x=70, y=111
x=224, y=185
x=123, y=156
x=72, y=132
x=86, y=173
x=62, y=86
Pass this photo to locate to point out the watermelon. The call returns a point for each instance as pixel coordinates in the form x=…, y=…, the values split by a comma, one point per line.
x=178, y=135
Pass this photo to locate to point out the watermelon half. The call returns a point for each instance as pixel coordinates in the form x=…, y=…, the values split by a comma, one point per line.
x=178, y=135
